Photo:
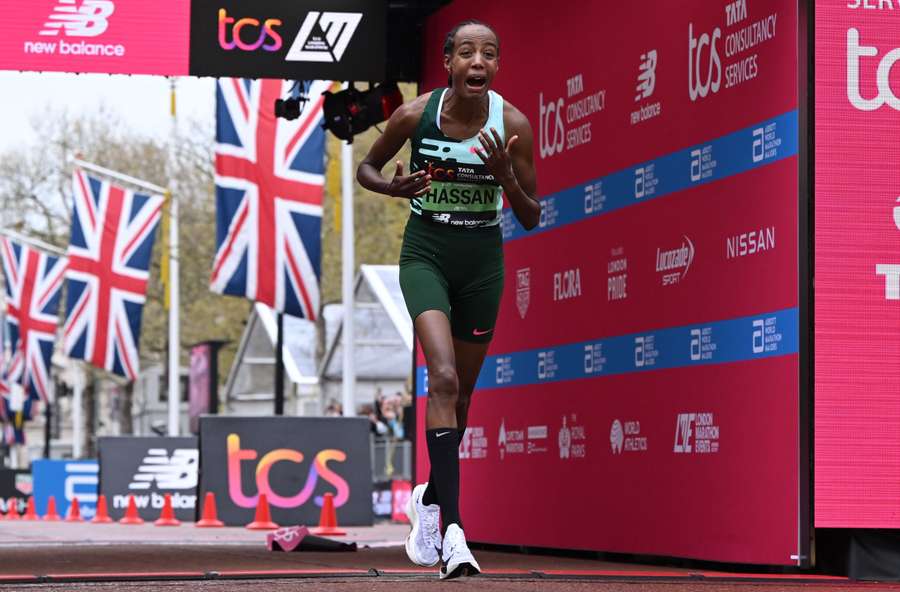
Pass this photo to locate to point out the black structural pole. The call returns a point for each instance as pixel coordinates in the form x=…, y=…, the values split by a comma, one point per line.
x=48, y=415
x=279, y=367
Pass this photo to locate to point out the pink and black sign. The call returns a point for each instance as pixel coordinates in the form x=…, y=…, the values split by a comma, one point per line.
x=112, y=36
x=857, y=264
x=643, y=388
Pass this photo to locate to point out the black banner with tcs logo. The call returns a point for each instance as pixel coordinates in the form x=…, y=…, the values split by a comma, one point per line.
x=294, y=461
x=303, y=39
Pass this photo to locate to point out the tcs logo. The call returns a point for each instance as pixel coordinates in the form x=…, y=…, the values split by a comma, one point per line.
x=551, y=142
x=440, y=174
x=699, y=84
x=263, y=33
x=318, y=468
x=882, y=75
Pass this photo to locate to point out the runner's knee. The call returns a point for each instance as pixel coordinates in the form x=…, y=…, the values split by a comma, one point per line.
x=443, y=385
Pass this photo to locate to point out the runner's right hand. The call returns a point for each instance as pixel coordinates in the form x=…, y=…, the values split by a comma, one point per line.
x=408, y=186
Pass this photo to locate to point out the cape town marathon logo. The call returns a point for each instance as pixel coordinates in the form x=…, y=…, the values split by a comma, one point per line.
x=76, y=19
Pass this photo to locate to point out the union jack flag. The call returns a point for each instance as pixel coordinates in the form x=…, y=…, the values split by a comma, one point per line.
x=109, y=261
x=33, y=283
x=270, y=177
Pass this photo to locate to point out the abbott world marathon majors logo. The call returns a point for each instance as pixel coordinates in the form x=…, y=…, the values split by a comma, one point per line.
x=565, y=123
x=71, y=24
x=743, y=33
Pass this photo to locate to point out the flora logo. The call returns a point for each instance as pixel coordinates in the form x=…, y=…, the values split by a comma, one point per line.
x=882, y=75
x=88, y=19
x=324, y=36
x=700, y=83
x=319, y=468
x=254, y=37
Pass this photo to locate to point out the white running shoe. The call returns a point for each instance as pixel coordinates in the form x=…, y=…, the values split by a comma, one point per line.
x=456, y=557
x=423, y=545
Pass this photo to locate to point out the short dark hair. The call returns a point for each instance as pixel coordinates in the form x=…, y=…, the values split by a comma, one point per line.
x=450, y=40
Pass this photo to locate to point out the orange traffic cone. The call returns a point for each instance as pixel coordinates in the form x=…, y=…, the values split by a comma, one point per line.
x=209, y=519
x=167, y=516
x=74, y=513
x=328, y=519
x=263, y=519
x=12, y=509
x=51, y=515
x=131, y=513
x=102, y=515
x=30, y=514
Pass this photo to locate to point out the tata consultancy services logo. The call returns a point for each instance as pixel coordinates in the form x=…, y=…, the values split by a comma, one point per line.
x=324, y=36
x=256, y=35
x=86, y=20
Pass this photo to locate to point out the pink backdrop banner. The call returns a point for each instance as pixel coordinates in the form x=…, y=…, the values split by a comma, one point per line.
x=111, y=36
x=642, y=388
x=857, y=265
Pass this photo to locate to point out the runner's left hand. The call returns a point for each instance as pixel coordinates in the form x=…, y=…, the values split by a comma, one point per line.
x=495, y=156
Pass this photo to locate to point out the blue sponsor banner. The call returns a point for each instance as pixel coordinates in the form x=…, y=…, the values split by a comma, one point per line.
x=66, y=480
x=744, y=150
x=742, y=339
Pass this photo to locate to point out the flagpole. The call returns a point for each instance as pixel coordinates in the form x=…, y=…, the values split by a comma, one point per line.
x=88, y=166
x=33, y=242
x=174, y=333
x=77, y=411
x=348, y=258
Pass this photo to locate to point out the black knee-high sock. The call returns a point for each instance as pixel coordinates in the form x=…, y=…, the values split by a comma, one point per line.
x=443, y=450
x=430, y=496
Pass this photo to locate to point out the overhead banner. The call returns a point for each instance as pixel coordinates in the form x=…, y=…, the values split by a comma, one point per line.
x=294, y=461
x=304, y=39
x=65, y=481
x=643, y=386
x=148, y=468
x=111, y=36
x=857, y=264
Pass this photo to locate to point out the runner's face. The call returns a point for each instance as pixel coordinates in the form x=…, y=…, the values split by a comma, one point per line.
x=474, y=61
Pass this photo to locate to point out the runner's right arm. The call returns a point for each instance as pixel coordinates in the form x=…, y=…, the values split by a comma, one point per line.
x=400, y=127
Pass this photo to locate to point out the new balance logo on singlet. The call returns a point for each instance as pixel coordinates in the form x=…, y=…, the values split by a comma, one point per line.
x=463, y=192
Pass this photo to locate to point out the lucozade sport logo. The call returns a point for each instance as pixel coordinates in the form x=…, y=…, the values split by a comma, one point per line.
x=318, y=468
x=885, y=95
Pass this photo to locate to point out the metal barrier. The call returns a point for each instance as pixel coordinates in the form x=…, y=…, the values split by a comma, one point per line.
x=391, y=459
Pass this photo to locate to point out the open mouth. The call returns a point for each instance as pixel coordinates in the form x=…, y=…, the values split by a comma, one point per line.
x=476, y=82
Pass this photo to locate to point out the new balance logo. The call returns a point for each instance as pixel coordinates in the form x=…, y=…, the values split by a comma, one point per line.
x=89, y=19
x=324, y=36
x=177, y=472
x=646, y=76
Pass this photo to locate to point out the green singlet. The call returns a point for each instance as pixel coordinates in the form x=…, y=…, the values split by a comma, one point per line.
x=452, y=254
